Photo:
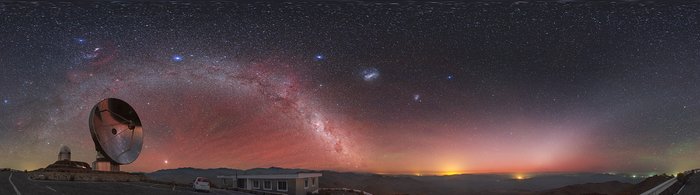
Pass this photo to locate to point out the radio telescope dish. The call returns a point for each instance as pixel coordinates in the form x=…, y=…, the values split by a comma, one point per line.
x=116, y=130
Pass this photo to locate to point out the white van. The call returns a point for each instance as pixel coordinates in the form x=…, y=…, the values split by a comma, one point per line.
x=201, y=184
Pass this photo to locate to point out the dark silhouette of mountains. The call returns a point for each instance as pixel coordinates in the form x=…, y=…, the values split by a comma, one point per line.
x=552, y=183
x=611, y=187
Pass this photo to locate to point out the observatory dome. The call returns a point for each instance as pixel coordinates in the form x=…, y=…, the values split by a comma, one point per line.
x=64, y=154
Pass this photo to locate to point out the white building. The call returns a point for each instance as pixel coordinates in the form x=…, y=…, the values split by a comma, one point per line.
x=291, y=184
x=64, y=154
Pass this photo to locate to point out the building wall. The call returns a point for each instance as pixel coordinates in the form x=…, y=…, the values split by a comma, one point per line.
x=64, y=156
x=294, y=186
x=228, y=182
x=291, y=185
x=300, y=186
x=314, y=186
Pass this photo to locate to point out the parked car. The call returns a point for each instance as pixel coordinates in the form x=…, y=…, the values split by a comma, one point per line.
x=201, y=184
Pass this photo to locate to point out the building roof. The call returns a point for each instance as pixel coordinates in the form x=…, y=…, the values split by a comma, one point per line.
x=64, y=149
x=273, y=176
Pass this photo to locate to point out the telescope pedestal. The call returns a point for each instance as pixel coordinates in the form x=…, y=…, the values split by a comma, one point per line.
x=102, y=164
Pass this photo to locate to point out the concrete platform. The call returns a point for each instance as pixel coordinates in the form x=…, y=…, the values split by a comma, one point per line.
x=97, y=176
x=19, y=183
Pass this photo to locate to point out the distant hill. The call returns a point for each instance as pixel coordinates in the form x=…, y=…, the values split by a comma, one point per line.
x=645, y=185
x=610, y=187
x=377, y=184
x=393, y=184
x=187, y=175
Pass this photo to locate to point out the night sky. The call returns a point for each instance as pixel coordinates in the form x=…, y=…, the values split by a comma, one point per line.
x=406, y=87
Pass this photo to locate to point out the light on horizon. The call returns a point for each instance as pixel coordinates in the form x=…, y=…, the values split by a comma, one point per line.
x=448, y=173
x=451, y=167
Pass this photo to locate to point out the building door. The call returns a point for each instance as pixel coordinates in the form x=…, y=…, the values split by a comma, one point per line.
x=240, y=183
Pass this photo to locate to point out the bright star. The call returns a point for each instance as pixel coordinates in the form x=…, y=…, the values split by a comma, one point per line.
x=6, y=101
x=319, y=57
x=80, y=40
x=177, y=58
x=450, y=77
x=416, y=98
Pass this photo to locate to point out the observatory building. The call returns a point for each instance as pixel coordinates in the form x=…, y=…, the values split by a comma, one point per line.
x=64, y=154
x=65, y=164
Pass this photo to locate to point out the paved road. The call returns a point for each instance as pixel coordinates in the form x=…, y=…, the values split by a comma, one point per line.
x=26, y=186
x=692, y=187
x=5, y=186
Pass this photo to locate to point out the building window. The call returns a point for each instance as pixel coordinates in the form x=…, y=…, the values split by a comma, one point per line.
x=313, y=181
x=306, y=183
x=267, y=185
x=256, y=184
x=282, y=186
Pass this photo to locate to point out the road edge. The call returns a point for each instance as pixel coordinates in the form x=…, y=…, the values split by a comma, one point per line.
x=13, y=185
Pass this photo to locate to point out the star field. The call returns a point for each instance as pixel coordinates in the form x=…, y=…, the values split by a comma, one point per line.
x=385, y=87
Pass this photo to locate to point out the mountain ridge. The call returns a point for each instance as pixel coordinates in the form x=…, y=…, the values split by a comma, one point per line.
x=393, y=184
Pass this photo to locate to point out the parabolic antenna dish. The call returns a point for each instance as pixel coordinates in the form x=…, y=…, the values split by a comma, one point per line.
x=116, y=131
